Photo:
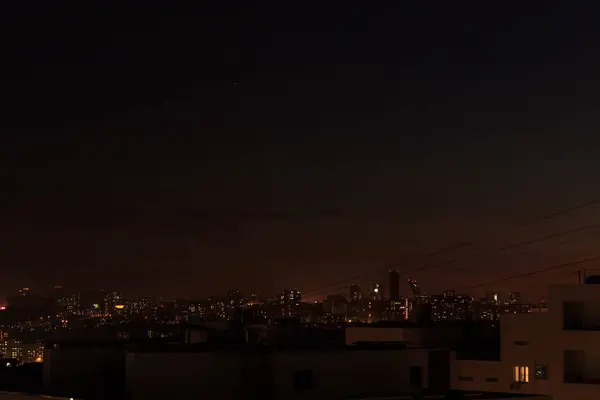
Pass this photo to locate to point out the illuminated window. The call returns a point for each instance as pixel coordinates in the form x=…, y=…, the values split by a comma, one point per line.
x=521, y=374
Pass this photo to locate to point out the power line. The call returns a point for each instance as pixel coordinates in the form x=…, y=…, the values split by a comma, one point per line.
x=535, y=272
x=440, y=251
x=485, y=253
x=489, y=252
x=532, y=273
x=571, y=209
x=511, y=246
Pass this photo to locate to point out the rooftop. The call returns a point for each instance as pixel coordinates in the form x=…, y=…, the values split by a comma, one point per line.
x=458, y=396
x=242, y=347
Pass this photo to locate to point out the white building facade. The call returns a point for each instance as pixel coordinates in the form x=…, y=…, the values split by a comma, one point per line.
x=555, y=353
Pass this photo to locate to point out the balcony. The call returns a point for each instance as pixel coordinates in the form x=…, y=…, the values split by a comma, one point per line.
x=581, y=367
x=578, y=316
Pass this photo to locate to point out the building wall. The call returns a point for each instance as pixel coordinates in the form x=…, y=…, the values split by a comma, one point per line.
x=372, y=334
x=441, y=336
x=82, y=371
x=339, y=374
x=222, y=375
x=528, y=339
x=24, y=352
x=585, y=341
x=182, y=376
x=525, y=341
x=487, y=376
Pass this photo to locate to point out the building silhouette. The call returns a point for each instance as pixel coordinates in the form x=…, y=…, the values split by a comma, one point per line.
x=394, y=277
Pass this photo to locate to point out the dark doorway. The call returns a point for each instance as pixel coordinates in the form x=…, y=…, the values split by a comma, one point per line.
x=438, y=371
x=572, y=315
x=416, y=376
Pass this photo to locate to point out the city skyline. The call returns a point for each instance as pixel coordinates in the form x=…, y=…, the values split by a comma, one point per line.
x=55, y=308
x=351, y=292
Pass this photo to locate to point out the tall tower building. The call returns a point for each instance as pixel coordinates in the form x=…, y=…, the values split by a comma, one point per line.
x=289, y=302
x=394, y=277
x=355, y=293
x=492, y=298
x=376, y=293
x=514, y=298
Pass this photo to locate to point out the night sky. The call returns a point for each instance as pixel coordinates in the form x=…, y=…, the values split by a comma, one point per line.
x=168, y=151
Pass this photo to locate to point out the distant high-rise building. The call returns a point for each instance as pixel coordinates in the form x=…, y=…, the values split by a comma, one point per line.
x=111, y=300
x=91, y=302
x=27, y=305
x=394, y=277
x=336, y=304
x=58, y=296
x=376, y=293
x=449, y=293
x=492, y=298
x=355, y=293
x=73, y=304
x=514, y=298
x=234, y=298
x=289, y=302
x=414, y=288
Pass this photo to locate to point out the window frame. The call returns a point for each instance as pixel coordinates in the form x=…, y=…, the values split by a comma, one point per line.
x=520, y=374
x=546, y=370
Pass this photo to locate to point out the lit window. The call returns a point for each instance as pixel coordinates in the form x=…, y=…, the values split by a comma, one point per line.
x=521, y=374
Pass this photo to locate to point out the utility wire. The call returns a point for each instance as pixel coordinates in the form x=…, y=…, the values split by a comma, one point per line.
x=571, y=209
x=488, y=252
x=535, y=272
x=481, y=254
x=511, y=246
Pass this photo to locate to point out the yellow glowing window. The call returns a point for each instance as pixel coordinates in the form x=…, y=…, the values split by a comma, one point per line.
x=521, y=374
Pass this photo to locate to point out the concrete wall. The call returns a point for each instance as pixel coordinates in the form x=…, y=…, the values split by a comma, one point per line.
x=527, y=339
x=219, y=375
x=96, y=370
x=371, y=334
x=486, y=376
x=589, y=295
x=349, y=373
x=177, y=375
x=441, y=336
x=574, y=340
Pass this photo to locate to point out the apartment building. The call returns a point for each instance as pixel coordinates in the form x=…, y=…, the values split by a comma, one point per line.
x=553, y=353
x=23, y=352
